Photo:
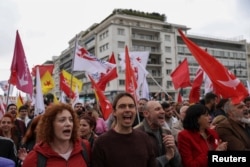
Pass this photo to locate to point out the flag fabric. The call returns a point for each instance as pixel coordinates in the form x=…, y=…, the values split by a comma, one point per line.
x=180, y=76
x=55, y=100
x=39, y=101
x=5, y=86
x=208, y=85
x=102, y=79
x=224, y=82
x=85, y=61
x=106, y=106
x=76, y=98
x=194, y=95
x=2, y=108
x=179, y=98
x=19, y=101
x=138, y=62
x=20, y=74
x=66, y=86
x=248, y=87
x=43, y=69
x=62, y=98
x=47, y=82
x=145, y=90
x=130, y=78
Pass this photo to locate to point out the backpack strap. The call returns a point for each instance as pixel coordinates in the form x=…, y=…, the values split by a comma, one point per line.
x=41, y=160
x=85, y=154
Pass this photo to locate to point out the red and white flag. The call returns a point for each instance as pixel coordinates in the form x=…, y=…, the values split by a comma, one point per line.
x=180, y=76
x=85, y=61
x=2, y=107
x=102, y=79
x=138, y=63
x=224, y=82
x=208, y=85
x=20, y=74
x=5, y=86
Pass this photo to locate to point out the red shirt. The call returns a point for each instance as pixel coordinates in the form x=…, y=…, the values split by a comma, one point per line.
x=54, y=159
x=194, y=148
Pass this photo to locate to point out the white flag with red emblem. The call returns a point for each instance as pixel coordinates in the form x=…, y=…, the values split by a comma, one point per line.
x=85, y=61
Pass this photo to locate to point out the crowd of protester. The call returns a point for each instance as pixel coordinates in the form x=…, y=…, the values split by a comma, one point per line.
x=143, y=133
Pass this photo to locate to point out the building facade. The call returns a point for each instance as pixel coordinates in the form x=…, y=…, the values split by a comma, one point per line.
x=148, y=32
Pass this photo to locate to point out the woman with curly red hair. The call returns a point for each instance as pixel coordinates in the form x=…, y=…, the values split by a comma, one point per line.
x=58, y=140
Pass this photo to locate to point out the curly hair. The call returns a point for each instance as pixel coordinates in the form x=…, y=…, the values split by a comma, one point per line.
x=45, y=130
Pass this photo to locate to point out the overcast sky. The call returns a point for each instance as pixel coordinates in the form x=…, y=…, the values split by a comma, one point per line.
x=46, y=26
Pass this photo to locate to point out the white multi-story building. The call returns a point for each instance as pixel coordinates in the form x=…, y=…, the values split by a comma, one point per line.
x=148, y=32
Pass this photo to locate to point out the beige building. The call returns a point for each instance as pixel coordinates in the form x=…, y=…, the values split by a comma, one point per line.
x=151, y=32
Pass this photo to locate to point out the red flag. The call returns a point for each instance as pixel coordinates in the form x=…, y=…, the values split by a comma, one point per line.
x=130, y=80
x=43, y=69
x=179, y=100
x=224, y=82
x=106, y=106
x=20, y=74
x=180, y=76
x=194, y=95
x=64, y=86
x=110, y=75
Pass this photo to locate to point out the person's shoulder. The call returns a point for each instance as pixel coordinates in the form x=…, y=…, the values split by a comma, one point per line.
x=186, y=133
x=6, y=140
x=31, y=159
x=224, y=123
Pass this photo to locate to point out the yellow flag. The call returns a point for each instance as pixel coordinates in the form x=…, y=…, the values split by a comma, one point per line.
x=19, y=101
x=55, y=99
x=75, y=82
x=47, y=82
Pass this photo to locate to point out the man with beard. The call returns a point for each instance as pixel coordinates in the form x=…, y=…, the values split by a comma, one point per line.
x=235, y=129
x=210, y=103
x=79, y=109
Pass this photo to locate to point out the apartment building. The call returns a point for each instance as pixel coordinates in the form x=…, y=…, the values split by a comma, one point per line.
x=151, y=32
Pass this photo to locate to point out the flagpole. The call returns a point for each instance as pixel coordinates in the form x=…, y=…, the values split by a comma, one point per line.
x=72, y=66
x=159, y=85
x=7, y=100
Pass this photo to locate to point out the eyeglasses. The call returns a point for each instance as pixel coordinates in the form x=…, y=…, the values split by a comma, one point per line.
x=124, y=106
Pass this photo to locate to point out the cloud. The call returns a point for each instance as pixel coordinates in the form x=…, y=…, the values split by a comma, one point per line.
x=9, y=18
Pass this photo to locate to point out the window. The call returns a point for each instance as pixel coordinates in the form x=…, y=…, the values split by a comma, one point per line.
x=121, y=31
x=167, y=38
x=169, y=84
x=121, y=44
x=168, y=71
x=104, y=47
x=168, y=49
x=121, y=82
x=103, y=35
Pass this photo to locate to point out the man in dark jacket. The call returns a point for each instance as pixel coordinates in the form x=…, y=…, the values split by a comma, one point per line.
x=163, y=141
